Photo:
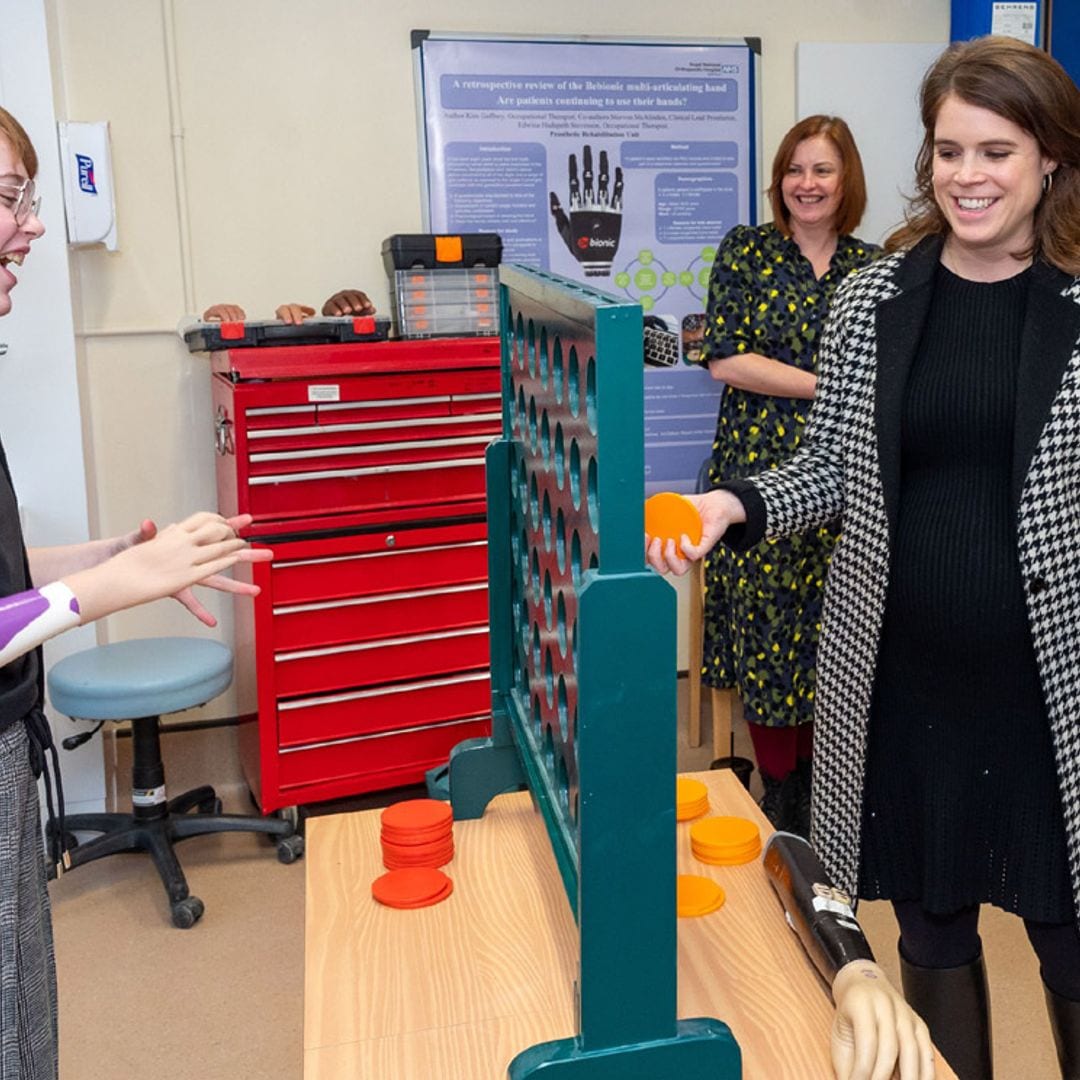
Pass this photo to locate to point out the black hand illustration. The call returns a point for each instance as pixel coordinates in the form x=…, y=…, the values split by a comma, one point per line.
x=591, y=232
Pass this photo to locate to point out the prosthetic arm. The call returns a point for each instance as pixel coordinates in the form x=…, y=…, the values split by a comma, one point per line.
x=29, y=618
x=874, y=1031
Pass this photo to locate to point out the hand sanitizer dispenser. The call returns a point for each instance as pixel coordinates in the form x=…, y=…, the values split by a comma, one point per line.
x=86, y=168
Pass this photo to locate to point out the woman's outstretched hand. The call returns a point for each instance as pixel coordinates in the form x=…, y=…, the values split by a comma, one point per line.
x=719, y=510
x=156, y=564
x=876, y=1035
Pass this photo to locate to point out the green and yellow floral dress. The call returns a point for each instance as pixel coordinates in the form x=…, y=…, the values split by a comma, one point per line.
x=763, y=606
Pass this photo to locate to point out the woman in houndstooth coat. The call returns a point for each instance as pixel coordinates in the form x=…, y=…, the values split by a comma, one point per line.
x=946, y=431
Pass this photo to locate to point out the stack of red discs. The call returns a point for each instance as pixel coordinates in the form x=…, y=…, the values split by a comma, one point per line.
x=417, y=833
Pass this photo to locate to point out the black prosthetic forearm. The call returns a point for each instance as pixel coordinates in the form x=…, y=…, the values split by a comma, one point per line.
x=816, y=910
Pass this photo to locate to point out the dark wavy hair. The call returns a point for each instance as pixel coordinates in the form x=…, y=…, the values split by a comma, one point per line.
x=853, y=190
x=15, y=134
x=1028, y=87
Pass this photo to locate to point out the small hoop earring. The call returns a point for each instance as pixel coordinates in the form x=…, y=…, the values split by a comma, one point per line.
x=1047, y=182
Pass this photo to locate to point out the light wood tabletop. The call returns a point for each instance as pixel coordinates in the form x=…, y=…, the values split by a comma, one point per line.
x=455, y=991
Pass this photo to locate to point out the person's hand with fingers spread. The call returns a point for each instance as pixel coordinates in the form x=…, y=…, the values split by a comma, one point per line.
x=224, y=313
x=719, y=510
x=194, y=551
x=293, y=314
x=348, y=302
x=876, y=1035
x=591, y=232
x=147, y=530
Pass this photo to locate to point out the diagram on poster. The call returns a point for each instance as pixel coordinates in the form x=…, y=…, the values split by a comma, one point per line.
x=618, y=164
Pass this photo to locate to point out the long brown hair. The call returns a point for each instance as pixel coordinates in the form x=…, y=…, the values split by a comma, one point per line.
x=853, y=189
x=1028, y=87
x=15, y=133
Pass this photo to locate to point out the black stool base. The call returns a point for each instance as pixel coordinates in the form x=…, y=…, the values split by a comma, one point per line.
x=156, y=836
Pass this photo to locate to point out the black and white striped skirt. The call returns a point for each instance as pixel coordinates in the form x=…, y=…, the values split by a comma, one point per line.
x=28, y=1048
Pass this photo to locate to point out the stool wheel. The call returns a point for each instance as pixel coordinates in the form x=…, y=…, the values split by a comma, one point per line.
x=290, y=848
x=187, y=912
x=210, y=806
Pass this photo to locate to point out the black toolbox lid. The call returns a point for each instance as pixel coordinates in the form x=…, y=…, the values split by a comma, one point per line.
x=441, y=251
x=210, y=336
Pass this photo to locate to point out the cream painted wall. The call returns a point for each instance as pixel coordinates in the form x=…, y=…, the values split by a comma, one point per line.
x=296, y=135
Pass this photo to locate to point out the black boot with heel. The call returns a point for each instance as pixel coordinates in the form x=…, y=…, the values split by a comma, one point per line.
x=955, y=1004
x=1065, y=1023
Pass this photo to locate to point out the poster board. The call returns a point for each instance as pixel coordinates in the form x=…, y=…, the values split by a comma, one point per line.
x=616, y=163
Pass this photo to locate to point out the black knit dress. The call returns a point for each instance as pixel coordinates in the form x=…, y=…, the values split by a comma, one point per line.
x=962, y=802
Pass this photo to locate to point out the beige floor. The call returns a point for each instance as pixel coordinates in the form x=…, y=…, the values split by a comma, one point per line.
x=223, y=1001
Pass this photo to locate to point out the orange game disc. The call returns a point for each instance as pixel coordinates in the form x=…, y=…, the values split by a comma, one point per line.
x=412, y=888
x=691, y=799
x=697, y=895
x=669, y=516
x=417, y=815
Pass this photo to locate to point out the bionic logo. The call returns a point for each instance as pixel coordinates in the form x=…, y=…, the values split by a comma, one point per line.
x=596, y=242
x=86, y=174
x=583, y=242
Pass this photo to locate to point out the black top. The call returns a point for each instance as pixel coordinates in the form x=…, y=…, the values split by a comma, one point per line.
x=19, y=679
x=962, y=804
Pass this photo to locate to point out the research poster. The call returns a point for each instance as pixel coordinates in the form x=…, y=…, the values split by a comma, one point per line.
x=620, y=165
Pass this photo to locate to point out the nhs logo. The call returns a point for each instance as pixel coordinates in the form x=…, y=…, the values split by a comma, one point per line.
x=86, y=174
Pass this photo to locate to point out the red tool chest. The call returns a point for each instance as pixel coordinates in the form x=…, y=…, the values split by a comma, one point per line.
x=365, y=656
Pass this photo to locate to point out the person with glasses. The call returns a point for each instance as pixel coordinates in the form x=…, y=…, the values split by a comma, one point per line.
x=44, y=591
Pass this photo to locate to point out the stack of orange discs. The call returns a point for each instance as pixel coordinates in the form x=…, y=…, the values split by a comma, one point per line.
x=697, y=896
x=691, y=799
x=418, y=887
x=417, y=832
x=670, y=516
x=725, y=841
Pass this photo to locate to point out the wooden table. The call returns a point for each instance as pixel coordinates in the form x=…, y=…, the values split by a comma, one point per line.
x=454, y=991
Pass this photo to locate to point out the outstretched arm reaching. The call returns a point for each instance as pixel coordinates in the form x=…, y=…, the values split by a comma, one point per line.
x=169, y=563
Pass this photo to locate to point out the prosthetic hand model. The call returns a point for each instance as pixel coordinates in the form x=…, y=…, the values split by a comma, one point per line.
x=875, y=1035
x=591, y=232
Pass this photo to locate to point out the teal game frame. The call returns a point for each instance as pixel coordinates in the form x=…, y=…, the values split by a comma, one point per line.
x=583, y=671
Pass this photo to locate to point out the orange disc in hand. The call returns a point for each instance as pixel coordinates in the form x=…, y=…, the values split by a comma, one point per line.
x=670, y=516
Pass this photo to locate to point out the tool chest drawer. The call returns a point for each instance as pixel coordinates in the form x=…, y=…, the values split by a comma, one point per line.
x=371, y=762
x=368, y=645
x=328, y=717
x=384, y=660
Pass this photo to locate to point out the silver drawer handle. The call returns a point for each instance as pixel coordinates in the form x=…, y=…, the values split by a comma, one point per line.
x=374, y=470
x=381, y=691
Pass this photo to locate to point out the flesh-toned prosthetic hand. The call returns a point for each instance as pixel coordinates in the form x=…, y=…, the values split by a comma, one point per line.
x=591, y=232
x=876, y=1035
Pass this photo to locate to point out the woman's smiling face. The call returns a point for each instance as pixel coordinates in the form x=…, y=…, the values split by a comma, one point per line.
x=988, y=176
x=15, y=238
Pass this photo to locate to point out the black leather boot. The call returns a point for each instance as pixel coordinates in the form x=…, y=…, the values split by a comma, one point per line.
x=956, y=1007
x=1065, y=1023
x=778, y=802
x=800, y=812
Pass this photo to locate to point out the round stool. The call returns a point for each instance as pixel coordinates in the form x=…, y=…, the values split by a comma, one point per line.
x=140, y=681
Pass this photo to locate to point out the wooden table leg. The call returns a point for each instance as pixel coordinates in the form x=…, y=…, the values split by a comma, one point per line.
x=695, y=640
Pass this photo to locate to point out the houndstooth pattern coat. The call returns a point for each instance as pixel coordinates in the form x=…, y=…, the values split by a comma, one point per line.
x=849, y=465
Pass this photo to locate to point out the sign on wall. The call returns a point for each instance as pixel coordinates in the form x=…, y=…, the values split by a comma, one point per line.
x=620, y=164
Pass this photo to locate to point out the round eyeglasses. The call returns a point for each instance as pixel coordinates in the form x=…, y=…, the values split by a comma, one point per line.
x=21, y=199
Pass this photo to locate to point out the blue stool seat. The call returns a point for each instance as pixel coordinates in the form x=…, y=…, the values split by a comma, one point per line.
x=144, y=677
x=139, y=681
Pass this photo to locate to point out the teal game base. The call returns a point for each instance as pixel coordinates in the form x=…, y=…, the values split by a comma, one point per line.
x=701, y=1048
x=480, y=770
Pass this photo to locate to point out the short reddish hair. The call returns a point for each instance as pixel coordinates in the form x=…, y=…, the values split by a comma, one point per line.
x=852, y=179
x=15, y=133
